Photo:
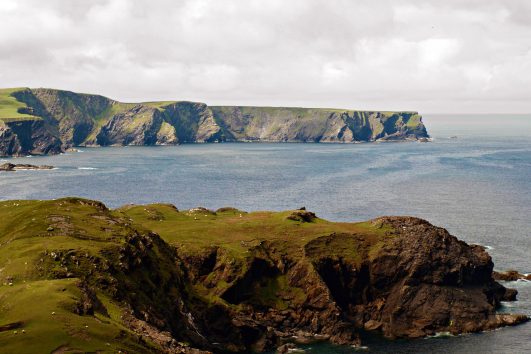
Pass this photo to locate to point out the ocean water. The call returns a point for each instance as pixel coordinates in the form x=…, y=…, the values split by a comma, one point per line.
x=474, y=179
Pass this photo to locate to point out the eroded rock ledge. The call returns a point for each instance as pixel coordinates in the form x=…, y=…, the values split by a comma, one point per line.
x=231, y=281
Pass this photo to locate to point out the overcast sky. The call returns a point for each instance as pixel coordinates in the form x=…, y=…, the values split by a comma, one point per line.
x=431, y=56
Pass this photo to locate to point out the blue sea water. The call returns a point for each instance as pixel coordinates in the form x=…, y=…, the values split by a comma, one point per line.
x=477, y=185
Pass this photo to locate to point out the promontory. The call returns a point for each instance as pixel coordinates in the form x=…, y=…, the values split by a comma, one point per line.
x=47, y=121
x=76, y=276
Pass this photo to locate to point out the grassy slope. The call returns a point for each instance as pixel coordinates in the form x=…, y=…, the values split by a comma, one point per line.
x=32, y=297
x=235, y=230
x=9, y=106
x=31, y=230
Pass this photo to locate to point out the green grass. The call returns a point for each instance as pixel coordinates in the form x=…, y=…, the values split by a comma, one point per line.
x=236, y=231
x=31, y=232
x=413, y=121
x=38, y=240
x=160, y=105
x=9, y=106
x=44, y=308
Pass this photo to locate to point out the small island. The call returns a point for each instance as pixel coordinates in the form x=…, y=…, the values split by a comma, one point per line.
x=21, y=167
x=151, y=278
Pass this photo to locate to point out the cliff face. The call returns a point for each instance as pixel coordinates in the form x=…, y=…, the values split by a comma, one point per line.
x=81, y=119
x=28, y=137
x=316, y=125
x=230, y=281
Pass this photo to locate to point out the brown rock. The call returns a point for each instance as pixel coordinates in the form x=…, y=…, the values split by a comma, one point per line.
x=511, y=275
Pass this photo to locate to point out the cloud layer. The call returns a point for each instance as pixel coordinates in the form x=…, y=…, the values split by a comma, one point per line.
x=433, y=56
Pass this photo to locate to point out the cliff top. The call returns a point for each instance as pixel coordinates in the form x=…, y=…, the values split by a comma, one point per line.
x=10, y=105
x=77, y=276
x=48, y=121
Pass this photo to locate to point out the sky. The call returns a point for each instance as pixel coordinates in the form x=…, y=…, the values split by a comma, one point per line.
x=431, y=56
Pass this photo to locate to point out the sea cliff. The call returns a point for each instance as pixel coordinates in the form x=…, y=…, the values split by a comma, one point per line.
x=77, y=276
x=48, y=121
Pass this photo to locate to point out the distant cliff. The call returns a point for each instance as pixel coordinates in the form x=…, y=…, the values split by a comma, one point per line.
x=47, y=121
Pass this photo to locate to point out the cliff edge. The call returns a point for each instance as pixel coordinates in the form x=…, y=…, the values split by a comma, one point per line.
x=77, y=276
x=48, y=121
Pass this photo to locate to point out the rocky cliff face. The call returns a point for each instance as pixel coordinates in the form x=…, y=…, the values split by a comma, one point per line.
x=317, y=125
x=418, y=282
x=230, y=281
x=137, y=126
x=81, y=119
x=28, y=137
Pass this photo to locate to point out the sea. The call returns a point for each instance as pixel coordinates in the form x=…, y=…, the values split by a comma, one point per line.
x=473, y=179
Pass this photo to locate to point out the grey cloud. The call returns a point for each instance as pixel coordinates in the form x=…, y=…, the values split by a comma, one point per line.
x=432, y=56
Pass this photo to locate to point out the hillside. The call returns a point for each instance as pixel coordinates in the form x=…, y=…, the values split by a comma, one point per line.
x=76, y=276
x=47, y=121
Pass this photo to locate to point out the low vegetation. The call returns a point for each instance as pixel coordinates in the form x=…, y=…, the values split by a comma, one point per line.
x=10, y=107
x=51, y=250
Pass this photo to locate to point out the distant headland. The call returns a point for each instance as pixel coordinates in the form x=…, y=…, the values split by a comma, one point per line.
x=48, y=121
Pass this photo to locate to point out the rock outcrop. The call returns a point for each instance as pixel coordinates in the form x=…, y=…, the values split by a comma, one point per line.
x=18, y=167
x=28, y=137
x=419, y=282
x=230, y=281
x=511, y=275
x=55, y=120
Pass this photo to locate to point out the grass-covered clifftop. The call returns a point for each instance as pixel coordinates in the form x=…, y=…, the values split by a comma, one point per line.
x=82, y=119
x=76, y=276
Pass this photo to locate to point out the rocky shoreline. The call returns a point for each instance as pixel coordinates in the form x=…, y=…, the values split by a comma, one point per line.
x=200, y=281
x=511, y=275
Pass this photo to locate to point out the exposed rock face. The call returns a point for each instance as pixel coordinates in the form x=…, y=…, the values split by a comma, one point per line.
x=70, y=119
x=511, y=275
x=416, y=282
x=28, y=137
x=317, y=125
x=422, y=281
x=193, y=122
x=400, y=276
x=137, y=126
x=73, y=113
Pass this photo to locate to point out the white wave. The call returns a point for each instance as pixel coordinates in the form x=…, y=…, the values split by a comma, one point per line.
x=360, y=347
x=509, y=304
x=87, y=168
x=441, y=335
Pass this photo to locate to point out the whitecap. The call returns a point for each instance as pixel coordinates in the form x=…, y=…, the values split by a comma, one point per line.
x=87, y=168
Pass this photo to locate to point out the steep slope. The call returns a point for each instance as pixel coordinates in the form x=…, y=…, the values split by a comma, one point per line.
x=72, y=119
x=76, y=277
x=316, y=125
